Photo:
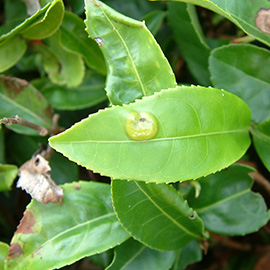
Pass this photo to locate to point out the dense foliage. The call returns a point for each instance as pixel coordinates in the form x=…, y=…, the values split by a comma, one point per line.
x=146, y=170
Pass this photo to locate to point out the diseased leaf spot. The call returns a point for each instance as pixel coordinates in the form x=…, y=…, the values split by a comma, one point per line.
x=141, y=126
x=15, y=251
x=77, y=186
x=26, y=224
x=263, y=20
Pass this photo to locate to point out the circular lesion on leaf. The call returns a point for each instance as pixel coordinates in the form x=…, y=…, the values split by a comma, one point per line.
x=141, y=126
x=262, y=20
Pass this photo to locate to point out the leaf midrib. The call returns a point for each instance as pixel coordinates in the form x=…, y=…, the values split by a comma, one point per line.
x=239, y=194
x=128, y=52
x=67, y=231
x=158, y=139
x=165, y=214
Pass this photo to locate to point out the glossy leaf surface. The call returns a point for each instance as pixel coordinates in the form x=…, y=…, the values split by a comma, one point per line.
x=11, y=52
x=89, y=93
x=208, y=132
x=8, y=173
x=18, y=97
x=132, y=255
x=3, y=254
x=242, y=13
x=83, y=225
x=243, y=70
x=227, y=205
x=156, y=215
x=189, y=37
x=73, y=37
x=261, y=139
x=136, y=64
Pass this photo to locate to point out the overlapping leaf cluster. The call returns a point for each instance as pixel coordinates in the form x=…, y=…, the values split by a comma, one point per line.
x=167, y=194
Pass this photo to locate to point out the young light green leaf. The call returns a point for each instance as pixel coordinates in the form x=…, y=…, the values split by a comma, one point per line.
x=261, y=140
x=248, y=15
x=74, y=38
x=190, y=253
x=42, y=24
x=63, y=67
x=8, y=173
x=136, y=64
x=83, y=225
x=208, y=132
x=156, y=215
x=243, y=70
x=89, y=93
x=189, y=36
x=132, y=255
x=49, y=24
x=18, y=97
x=227, y=205
x=3, y=254
x=11, y=51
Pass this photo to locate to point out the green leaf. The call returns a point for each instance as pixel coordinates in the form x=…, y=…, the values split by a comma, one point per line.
x=8, y=173
x=261, y=140
x=189, y=254
x=241, y=12
x=74, y=38
x=89, y=93
x=189, y=36
x=11, y=51
x=243, y=70
x=51, y=236
x=18, y=97
x=136, y=64
x=49, y=23
x=63, y=67
x=199, y=140
x=227, y=205
x=3, y=254
x=156, y=215
x=132, y=255
x=42, y=24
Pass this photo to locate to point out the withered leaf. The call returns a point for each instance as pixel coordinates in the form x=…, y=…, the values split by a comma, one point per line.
x=263, y=20
x=36, y=180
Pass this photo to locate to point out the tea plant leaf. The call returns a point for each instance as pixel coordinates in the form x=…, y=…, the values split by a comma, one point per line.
x=3, y=254
x=18, y=97
x=8, y=174
x=133, y=255
x=42, y=24
x=156, y=215
x=243, y=70
x=49, y=24
x=2, y=146
x=227, y=205
x=261, y=140
x=63, y=67
x=154, y=19
x=84, y=225
x=209, y=131
x=89, y=93
x=74, y=38
x=136, y=64
x=189, y=36
x=243, y=13
x=189, y=254
x=11, y=52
